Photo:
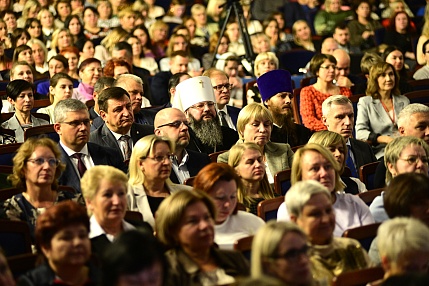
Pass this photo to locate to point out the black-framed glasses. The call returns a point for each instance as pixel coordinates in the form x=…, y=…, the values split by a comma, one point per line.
x=294, y=254
x=77, y=123
x=412, y=160
x=176, y=124
x=40, y=161
x=160, y=159
x=220, y=87
x=201, y=105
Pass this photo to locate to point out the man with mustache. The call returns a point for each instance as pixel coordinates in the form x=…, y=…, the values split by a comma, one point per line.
x=173, y=124
x=119, y=130
x=338, y=116
x=72, y=124
x=221, y=87
x=195, y=97
x=276, y=92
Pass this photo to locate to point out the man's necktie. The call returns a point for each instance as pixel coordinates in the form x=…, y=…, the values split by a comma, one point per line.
x=126, y=146
x=80, y=165
x=349, y=162
x=223, y=122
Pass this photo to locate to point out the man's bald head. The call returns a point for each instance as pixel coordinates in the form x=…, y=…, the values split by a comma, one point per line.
x=173, y=124
x=343, y=62
x=329, y=46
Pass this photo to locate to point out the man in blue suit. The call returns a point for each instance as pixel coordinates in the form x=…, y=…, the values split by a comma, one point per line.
x=72, y=123
x=227, y=114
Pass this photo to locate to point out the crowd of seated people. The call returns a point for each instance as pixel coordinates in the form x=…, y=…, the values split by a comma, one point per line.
x=165, y=131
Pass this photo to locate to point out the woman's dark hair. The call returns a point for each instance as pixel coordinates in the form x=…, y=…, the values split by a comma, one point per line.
x=87, y=62
x=175, y=79
x=133, y=251
x=16, y=35
x=149, y=40
x=80, y=43
x=56, y=218
x=388, y=50
x=15, y=87
x=28, y=24
x=56, y=78
x=61, y=59
x=19, y=50
x=67, y=24
x=318, y=60
x=93, y=10
x=356, y=5
x=404, y=191
x=392, y=22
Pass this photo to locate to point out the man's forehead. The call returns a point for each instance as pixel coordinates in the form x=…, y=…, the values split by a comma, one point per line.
x=77, y=114
x=112, y=102
x=420, y=116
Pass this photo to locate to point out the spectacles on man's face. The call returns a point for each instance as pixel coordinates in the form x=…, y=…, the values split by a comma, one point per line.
x=160, y=159
x=176, y=124
x=41, y=161
x=78, y=123
x=412, y=160
x=201, y=105
x=294, y=254
x=220, y=87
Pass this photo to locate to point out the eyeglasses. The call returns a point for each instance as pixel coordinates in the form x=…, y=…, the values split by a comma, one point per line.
x=342, y=69
x=78, y=123
x=220, y=87
x=176, y=124
x=41, y=161
x=201, y=105
x=329, y=67
x=412, y=160
x=294, y=254
x=160, y=159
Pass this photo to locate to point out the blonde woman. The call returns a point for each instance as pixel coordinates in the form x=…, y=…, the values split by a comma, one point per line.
x=248, y=161
x=31, y=9
x=61, y=39
x=264, y=62
x=302, y=39
x=40, y=54
x=149, y=175
x=103, y=52
x=158, y=32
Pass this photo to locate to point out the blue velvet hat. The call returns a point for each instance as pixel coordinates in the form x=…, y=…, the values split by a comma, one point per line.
x=274, y=82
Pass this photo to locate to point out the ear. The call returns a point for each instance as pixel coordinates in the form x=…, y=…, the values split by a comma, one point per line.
x=392, y=169
x=266, y=102
x=10, y=100
x=293, y=218
x=324, y=121
x=46, y=251
x=401, y=130
x=52, y=90
x=103, y=115
x=158, y=132
x=385, y=263
x=89, y=205
x=57, y=127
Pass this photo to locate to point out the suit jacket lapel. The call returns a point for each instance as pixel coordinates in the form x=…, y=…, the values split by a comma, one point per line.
x=108, y=138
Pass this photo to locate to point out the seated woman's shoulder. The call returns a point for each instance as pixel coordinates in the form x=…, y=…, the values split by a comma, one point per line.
x=250, y=218
x=346, y=243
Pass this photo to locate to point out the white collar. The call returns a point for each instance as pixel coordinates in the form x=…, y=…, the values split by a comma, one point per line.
x=71, y=152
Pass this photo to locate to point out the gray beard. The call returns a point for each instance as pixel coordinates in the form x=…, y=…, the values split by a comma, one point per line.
x=208, y=131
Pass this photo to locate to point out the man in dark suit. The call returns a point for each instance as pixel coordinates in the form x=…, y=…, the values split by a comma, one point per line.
x=338, y=116
x=72, y=125
x=195, y=97
x=173, y=124
x=159, y=86
x=119, y=130
x=276, y=92
x=221, y=87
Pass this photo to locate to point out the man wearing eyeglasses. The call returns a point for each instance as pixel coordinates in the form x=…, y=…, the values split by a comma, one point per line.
x=413, y=120
x=195, y=97
x=72, y=123
x=227, y=114
x=119, y=130
x=173, y=124
x=276, y=91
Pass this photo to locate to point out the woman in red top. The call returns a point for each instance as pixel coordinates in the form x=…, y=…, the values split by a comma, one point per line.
x=312, y=97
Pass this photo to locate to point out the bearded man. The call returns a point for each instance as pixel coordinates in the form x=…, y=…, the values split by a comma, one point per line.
x=276, y=92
